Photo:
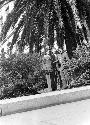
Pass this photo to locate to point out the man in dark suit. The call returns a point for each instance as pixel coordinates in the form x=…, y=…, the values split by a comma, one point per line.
x=53, y=73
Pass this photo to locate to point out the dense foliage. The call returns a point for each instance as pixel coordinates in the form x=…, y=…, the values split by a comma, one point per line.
x=21, y=74
x=36, y=21
x=77, y=70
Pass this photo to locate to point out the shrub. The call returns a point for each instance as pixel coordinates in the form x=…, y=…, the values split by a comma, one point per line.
x=21, y=75
x=76, y=70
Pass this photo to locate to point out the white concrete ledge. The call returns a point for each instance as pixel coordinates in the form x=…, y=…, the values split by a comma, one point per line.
x=25, y=103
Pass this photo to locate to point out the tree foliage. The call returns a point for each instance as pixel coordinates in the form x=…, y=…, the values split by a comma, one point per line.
x=37, y=20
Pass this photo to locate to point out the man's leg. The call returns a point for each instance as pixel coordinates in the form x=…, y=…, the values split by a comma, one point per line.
x=53, y=84
x=61, y=84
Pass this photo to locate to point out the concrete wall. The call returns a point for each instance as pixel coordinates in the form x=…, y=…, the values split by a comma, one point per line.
x=25, y=103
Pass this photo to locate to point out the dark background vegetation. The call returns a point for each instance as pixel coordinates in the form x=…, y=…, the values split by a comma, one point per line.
x=21, y=75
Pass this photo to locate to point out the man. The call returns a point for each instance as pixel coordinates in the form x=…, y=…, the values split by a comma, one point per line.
x=47, y=68
x=53, y=73
x=58, y=65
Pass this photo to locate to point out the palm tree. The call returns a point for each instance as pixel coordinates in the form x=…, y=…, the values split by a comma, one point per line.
x=36, y=20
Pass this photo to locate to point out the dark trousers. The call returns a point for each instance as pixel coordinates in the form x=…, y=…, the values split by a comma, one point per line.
x=53, y=77
x=61, y=84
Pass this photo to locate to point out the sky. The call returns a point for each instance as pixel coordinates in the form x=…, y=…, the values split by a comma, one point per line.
x=4, y=13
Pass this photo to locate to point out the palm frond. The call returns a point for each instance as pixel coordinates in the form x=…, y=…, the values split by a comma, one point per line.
x=41, y=18
x=17, y=32
x=69, y=26
x=7, y=25
x=19, y=8
x=51, y=25
x=4, y=2
x=84, y=10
